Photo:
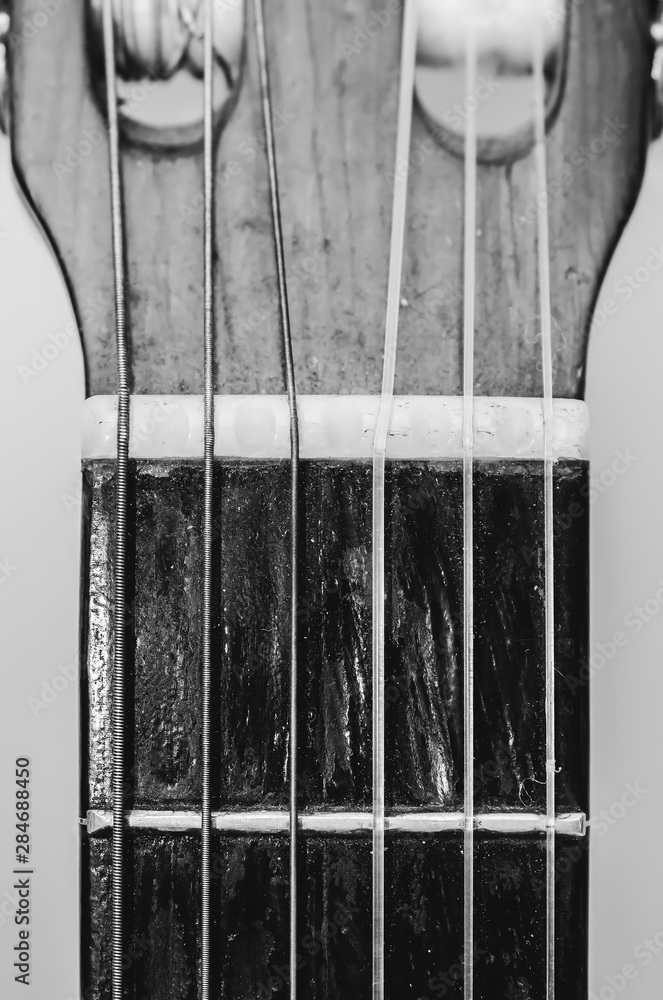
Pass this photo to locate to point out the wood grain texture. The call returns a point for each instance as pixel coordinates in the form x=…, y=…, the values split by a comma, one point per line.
x=336, y=158
x=424, y=926
x=424, y=638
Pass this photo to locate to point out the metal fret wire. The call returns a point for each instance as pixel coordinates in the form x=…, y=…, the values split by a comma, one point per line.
x=407, y=71
x=269, y=822
x=469, y=281
x=543, y=238
x=208, y=496
x=294, y=469
x=121, y=510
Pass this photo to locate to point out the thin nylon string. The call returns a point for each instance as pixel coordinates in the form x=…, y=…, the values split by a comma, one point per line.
x=469, y=280
x=548, y=438
x=208, y=493
x=405, y=102
x=121, y=510
x=294, y=471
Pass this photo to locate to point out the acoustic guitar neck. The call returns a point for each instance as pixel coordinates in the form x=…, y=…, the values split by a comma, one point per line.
x=334, y=269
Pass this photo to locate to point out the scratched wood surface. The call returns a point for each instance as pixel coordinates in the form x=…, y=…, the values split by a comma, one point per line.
x=336, y=102
x=424, y=687
x=424, y=931
x=424, y=726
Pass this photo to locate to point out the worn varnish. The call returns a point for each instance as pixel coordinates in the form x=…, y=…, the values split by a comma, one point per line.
x=424, y=725
x=424, y=691
x=424, y=906
x=336, y=115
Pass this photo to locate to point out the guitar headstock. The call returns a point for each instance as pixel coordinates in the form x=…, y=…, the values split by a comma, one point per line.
x=334, y=76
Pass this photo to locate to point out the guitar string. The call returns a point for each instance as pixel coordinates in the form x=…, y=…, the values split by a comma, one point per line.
x=400, y=197
x=403, y=138
x=120, y=629
x=291, y=389
x=543, y=255
x=208, y=498
x=122, y=499
x=469, y=282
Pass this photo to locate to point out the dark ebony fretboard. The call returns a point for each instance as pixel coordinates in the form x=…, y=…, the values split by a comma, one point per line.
x=424, y=695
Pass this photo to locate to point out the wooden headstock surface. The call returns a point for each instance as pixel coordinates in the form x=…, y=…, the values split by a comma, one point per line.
x=336, y=125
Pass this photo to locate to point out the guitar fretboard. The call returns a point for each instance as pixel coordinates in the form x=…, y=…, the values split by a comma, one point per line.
x=424, y=730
